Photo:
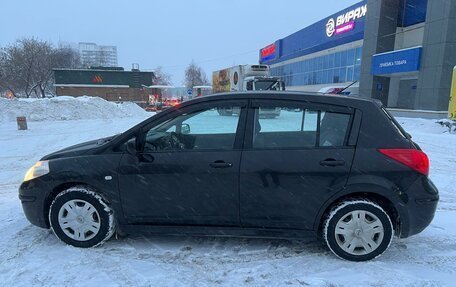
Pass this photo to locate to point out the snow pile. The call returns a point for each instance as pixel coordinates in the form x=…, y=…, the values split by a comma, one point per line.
x=67, y=108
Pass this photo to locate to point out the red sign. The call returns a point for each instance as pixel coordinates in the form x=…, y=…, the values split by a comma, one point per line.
x=268, y=52
x=97, y=79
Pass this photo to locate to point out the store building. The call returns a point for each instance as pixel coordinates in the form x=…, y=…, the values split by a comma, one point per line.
x=112, y=84
x=401, y=52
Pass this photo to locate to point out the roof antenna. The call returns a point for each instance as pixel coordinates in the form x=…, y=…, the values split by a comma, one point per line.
x=340, y=92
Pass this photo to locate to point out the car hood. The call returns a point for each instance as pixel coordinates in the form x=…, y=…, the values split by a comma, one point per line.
x=79, y=149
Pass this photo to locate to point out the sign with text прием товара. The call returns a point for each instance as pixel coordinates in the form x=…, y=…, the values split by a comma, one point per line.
x=400, y=61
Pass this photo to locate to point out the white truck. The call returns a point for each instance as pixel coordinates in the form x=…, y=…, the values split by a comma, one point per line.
x=246, y=78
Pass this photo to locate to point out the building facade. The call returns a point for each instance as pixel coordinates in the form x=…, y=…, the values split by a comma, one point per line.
x=401, y=52
x=112, y=84
x=93, y=55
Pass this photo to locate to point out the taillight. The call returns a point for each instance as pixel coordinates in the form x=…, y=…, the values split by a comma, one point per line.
x=413, y=158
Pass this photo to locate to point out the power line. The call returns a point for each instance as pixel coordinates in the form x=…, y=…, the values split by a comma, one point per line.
x=208, y=60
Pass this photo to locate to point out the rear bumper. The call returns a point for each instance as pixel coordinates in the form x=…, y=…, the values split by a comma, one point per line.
x=420, y=208
x=32, y=195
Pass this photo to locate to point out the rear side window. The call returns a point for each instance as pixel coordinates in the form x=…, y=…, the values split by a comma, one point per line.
x=298, y=127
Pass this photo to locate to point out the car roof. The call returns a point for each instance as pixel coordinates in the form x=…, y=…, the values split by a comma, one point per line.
x=341, y=100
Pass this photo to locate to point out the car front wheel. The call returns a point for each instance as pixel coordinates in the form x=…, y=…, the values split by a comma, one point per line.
x=80, y=217
x=358, y=230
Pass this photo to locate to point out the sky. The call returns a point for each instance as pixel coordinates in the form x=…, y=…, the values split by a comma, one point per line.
x=215, y=34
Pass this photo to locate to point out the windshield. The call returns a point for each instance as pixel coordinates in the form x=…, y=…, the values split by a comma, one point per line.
x=267, y=85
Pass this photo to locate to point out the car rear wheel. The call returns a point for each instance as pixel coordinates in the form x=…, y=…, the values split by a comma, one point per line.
x=358, y=230
x=80, y=217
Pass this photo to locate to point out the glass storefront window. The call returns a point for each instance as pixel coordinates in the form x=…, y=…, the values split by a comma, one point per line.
x=358, y=55
x=343, y=59
x=331, y=61
x=357, y=73
x=325, y=62
x=320, y=63
x=337, y=67
x=350, y=74
x=343, y=74
x=350, y=57
x=325, y=76
x=337, y=60
x=330, y=76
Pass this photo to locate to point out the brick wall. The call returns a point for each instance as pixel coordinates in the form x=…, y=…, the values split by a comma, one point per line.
x=109, y=94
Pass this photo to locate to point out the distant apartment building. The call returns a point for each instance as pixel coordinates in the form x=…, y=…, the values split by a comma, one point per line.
x=93, y=55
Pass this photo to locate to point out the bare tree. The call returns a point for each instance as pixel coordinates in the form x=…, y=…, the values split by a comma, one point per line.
x=56, y=58
x=195, y=76
x=26, y=66
x=161, y=77
x=7, y=79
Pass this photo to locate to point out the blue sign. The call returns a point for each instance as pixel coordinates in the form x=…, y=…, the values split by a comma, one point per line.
x=189, y=92
x=401, y=61
x=344, y=27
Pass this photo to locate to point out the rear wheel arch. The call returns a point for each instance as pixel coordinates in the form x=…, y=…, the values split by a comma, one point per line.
x=382, y=200
x=358, y=230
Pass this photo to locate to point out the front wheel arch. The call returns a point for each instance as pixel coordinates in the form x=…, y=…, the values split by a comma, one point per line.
x=61, y=188
x=104, y=215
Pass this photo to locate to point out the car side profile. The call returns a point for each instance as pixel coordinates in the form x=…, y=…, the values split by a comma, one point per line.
x=339, y=168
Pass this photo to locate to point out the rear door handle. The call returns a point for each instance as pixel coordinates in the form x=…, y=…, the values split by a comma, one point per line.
x=332, y=162
x=220, y=164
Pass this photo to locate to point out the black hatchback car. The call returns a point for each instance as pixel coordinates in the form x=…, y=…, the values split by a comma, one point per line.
x=333, y=166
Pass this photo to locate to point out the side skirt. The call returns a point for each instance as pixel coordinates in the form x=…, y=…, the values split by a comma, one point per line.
x=221, y=231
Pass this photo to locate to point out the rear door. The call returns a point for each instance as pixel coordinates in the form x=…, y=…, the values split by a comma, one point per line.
x=293, y=163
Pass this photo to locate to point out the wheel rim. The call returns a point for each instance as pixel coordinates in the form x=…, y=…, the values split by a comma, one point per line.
x=79, y=220
x=359, y=232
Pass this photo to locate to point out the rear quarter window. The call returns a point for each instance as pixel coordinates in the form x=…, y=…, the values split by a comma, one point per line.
x=395, y=124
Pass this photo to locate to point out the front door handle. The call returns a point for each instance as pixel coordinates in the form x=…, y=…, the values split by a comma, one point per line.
x=220, y=164
x=332, y=162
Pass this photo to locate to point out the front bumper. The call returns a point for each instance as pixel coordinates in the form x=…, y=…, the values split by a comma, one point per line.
x=33, y=198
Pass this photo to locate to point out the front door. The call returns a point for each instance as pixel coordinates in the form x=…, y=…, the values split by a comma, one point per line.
x=187, y=171
x=292, y=163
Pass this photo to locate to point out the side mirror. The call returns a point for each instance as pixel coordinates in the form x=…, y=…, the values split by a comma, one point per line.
x=131, y=146
x=185, y=129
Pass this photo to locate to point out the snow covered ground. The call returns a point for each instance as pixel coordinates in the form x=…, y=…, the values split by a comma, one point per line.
x=33, y=256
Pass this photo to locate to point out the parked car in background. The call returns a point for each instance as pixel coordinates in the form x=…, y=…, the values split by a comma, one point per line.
x=170, y=103
x=151, y=108
x=336, y=167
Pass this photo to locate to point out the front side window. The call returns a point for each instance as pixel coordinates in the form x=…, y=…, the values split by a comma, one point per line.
x=200, y=130
x=298, y=127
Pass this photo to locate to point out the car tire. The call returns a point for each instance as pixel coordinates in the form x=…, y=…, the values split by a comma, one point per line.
x=80, y=217
x=358, y=230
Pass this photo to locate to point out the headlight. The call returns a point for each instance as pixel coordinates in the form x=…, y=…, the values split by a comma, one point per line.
x=39, y=169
